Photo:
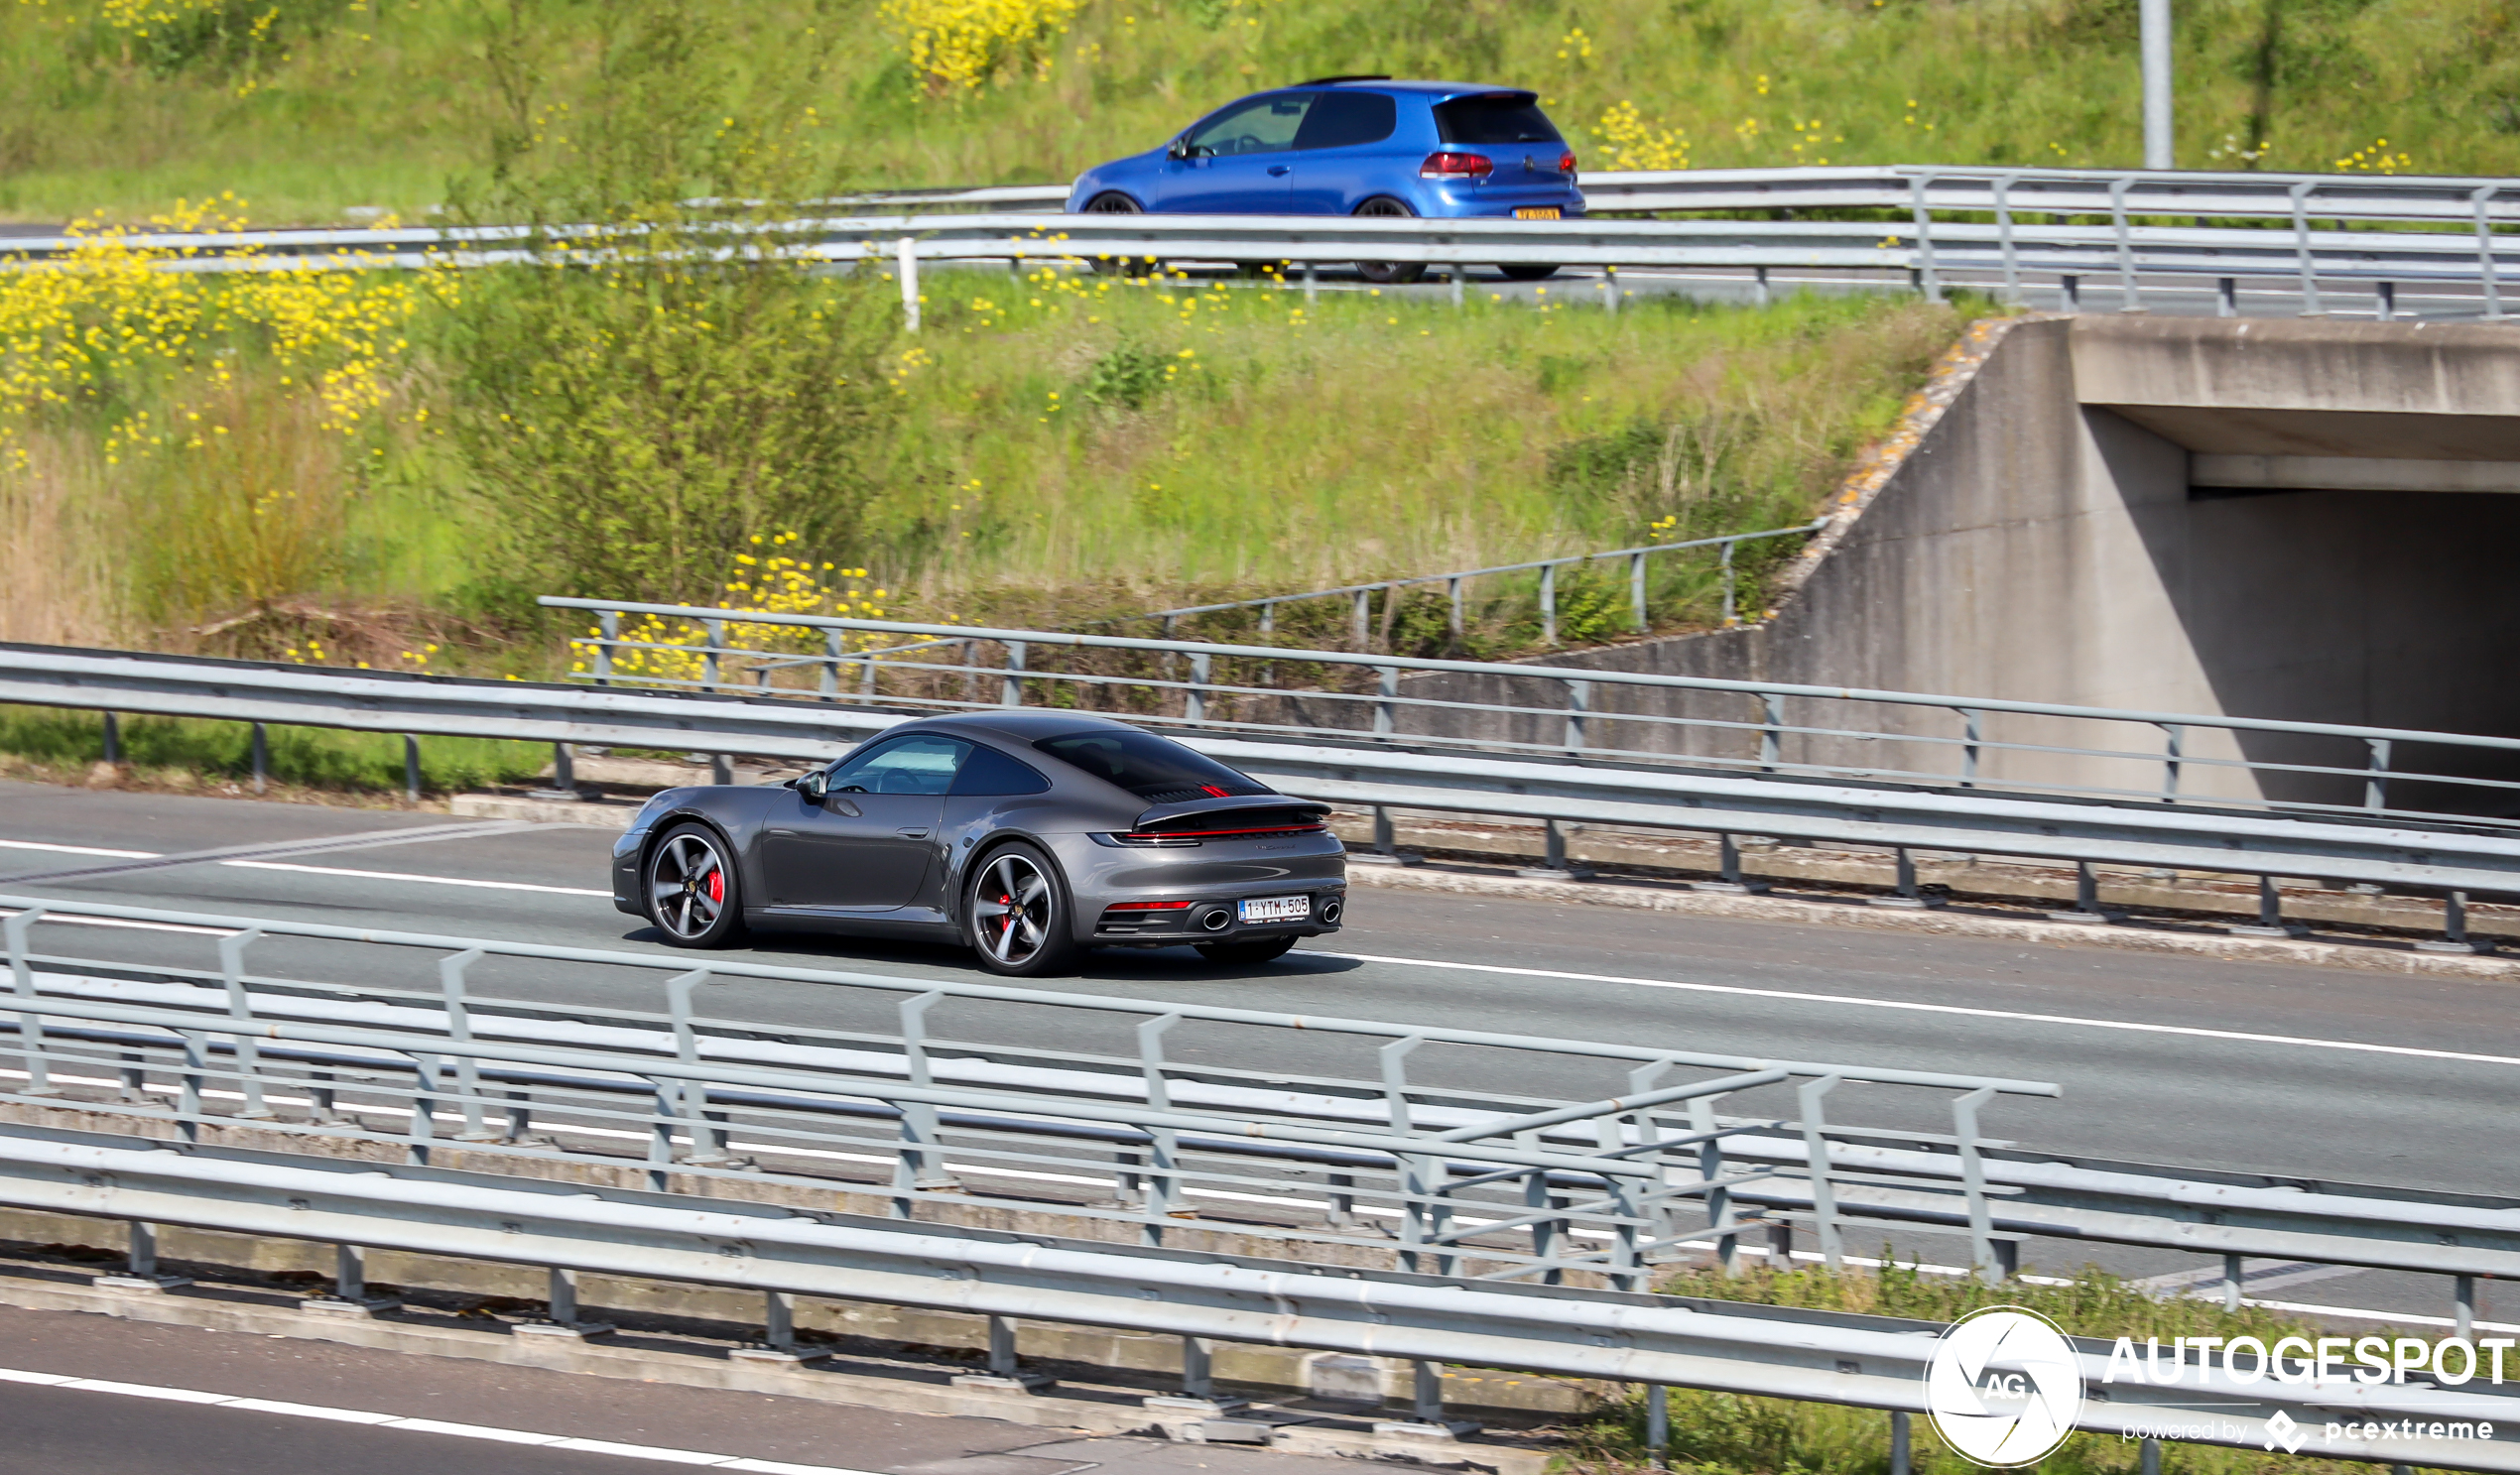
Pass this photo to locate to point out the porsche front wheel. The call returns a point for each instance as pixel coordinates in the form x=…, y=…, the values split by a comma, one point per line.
x=691, y=888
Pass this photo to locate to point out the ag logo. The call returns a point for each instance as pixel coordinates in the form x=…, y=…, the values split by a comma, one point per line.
x=2004, y=1387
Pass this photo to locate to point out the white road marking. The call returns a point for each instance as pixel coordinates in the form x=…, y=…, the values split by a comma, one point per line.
x=423, y=1426
x=77, y=850
x=1965, y=1011
x=282, y=865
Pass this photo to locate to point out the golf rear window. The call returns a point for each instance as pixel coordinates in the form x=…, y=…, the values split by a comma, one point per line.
x=1495, y=118
x=1157, y=769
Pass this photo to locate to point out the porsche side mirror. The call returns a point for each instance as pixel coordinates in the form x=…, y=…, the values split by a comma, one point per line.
x=811, y=784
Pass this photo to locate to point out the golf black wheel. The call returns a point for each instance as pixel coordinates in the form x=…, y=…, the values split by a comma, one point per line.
x=1390, y=272
x=1246, y=954
x=1115, y=266
x=691, y=891
x=1015, y=912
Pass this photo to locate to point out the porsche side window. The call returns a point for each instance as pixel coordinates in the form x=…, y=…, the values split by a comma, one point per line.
x=1155, y=769
x=911, y=765
x=989, y=772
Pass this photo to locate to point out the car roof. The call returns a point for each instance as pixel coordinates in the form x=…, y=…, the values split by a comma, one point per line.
x=1430, y=89
x=1012, y=726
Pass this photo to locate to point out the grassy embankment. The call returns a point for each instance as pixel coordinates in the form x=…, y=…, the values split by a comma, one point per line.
x=309, y=107
x=1716, y=1433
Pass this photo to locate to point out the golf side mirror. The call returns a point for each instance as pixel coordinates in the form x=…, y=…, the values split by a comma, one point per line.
x=1178, y=148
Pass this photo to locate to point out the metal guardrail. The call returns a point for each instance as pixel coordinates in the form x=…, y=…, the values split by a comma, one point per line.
x=2429, y=230
x=1770, y=792
x=1386, y=1136
x=1659, y=1341
x=1360, y=620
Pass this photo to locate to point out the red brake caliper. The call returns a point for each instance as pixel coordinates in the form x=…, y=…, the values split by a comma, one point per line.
x=1008, y=924
x=718, y=886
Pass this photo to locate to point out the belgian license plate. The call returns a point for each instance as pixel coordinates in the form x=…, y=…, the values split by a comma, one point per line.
x=1277, y=908
x=1536, y=212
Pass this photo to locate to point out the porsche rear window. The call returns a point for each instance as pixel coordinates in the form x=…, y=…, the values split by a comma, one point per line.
x=1155, y=769
x=1495, y=118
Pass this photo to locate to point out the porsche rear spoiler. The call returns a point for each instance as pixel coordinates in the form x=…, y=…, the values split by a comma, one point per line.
x=1230, y=812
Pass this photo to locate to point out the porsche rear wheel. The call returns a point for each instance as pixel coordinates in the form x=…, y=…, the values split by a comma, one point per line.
x=1015, y=910
x=691, y=891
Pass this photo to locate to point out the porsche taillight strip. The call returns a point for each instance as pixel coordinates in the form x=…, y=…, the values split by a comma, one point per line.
x=1187, y=834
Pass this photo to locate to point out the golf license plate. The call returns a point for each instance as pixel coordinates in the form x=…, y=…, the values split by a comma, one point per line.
x=1277, y=908
x=1536, y=212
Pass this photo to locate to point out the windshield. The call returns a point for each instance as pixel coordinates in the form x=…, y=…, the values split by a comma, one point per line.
x=1157, y=769
x=1495, y=118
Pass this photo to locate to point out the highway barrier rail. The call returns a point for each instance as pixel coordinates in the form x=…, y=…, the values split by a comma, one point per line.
x=1470, y=1153
x=1636, y=1337
x=1770, y=771
x=2304, y=238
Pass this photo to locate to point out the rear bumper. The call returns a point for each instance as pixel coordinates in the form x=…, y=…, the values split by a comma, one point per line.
x=1214, y=918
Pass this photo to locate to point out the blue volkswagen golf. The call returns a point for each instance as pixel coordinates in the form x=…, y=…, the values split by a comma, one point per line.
x=1354, y=145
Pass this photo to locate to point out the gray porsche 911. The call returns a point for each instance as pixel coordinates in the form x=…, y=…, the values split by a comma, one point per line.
x=1028, y=836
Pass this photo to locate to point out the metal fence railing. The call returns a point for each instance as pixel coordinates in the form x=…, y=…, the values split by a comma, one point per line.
x=2295, y=241
x=1659, y=1342
x=1471, y=1153
x=1360, y=597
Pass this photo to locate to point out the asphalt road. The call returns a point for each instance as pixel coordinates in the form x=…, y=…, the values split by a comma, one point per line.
x=2309, y=1071
x=326, y=1407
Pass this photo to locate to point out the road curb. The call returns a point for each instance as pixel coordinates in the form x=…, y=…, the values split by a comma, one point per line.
x=1939, y=922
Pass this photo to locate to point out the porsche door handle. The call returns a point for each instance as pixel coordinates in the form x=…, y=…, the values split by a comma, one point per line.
x=915, y=831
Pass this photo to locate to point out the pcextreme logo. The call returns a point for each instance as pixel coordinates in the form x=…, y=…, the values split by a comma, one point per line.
x=2004, y=1388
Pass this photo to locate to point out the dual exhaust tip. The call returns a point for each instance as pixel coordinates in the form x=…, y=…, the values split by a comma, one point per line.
x=1217, y=919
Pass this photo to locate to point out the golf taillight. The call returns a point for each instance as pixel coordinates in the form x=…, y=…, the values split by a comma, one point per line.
x=1565, y=163
x=1450, y=166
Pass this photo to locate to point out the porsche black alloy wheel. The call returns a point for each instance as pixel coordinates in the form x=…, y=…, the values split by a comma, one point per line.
x=1244, y=954
x=690, y=889
x=1015, y=912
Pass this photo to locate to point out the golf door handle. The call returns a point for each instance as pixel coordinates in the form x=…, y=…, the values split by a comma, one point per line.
x=1280, y=169
x=915, y=831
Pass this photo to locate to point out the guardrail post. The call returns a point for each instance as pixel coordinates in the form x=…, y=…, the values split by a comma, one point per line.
x=1163, y=1159
x=410, y=768
x=608, y=622
x=1636, y=588
x=1609, y=289
x=2453, y=938
x=2227, y=297
x=1771, y=730
x=1728, y=869
x=451, y=984
x=2463, y=1306
x=1823, y=1193
x=561, y=1295
x=1904, y=897
x=1311, y=283
x=1722, y=1220
x=140, y=1265
x=1578, y=704
x=1552, y=858
x=1929, y=281
x=113, y=739
x=1457, y=274
x=2148, y=1457
x=1363, y=617
x=2128, y=299
x=240, y=1008
x=422, y=1132
x=2175, y=735
x=2069, y=293
x=715, y=631
x=920, y=1165
x=2384, y=300
x=1267, y=617
x=2270, y=914
x=1899, y=1464
x=1452, y=593
x=188, y=1096
x=2488, y=273
x=2375, y=788
x=39, y=1081
x=1981, y=1223
x=1010, y=690
x=907, y=251
x=261, y=747
x=1973, y=721
x=834, y=645
x=2003, y=238
x=1548, y=604
x=1426, y=1402
x=2086, y=898
x=1386, y=710
x=2231, y=1283
x=1760, y=295
x=2300, y=244
x=1194, y=699
x=1731, y=585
